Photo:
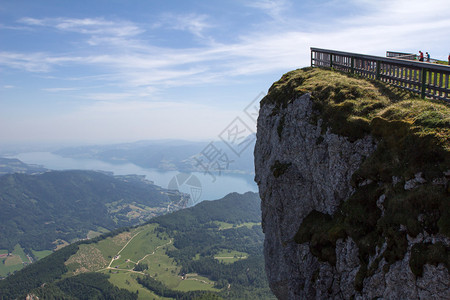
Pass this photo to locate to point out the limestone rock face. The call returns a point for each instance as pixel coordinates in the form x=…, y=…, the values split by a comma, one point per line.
x=300, y=168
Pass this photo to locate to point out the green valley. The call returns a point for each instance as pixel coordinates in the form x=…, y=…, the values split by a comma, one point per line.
x=45, y=212
x=212, y=250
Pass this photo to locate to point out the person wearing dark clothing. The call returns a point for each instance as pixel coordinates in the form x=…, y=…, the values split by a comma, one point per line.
x=420, y=56
x=449, y=59
x=428, y=56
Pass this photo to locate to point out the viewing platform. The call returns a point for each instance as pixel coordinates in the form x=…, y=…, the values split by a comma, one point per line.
x=427, y=79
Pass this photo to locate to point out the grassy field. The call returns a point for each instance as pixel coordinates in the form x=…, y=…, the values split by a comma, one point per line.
x=93, y=234
x=60, y=244
x=230, y=256
x=94, y=257
x=163, y=268
x=14, y=262
x=110, y=246
x=41, y=254
x=195, y=282
x=224, y=225
x=87, y=259
x=18, y=250
x=127, y=280
x=18, y=259
x=118, y=255
x=145, y=242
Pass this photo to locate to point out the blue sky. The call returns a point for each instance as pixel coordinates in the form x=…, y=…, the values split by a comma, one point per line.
x=115, y=71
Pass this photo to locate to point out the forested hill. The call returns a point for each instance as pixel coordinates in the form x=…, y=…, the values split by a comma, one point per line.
x=40, y=211
x=13, y=165
x=210, y=251
x=233, y=208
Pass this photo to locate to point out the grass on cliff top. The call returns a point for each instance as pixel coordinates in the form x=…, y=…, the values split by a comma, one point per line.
x=352, y=106
x=347, y=101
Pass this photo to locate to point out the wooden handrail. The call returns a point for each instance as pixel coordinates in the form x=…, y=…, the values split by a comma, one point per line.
x=427, y=79
x=384, y=59
x=409, y=56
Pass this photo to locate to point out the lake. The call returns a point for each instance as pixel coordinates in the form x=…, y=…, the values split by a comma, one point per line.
x=199, y=185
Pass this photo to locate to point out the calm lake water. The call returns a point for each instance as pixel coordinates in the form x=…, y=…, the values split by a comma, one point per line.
x=203, y=189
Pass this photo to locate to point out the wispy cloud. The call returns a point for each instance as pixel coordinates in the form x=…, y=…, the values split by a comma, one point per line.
x=9, y=27
x=273, y=8
x=90, y=26
x=35, y=62
x=59, y=89
x=131, y=61
x=32, y=21
x=139, y=78
x=193, y=23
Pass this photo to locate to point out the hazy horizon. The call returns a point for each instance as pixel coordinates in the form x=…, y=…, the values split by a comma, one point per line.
x=102, y=72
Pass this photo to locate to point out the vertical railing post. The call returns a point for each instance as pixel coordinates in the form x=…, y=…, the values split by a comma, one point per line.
x=331, y=60
x=312, y=65
x=378, y=76
x=424, y=79
x=352, y=65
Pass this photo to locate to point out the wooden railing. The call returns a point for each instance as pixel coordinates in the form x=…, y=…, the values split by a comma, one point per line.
x=409, y=56
x=426, y=79
x=401, y=55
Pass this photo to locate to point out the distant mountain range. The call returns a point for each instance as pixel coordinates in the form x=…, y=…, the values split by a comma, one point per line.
x=234, y=156
x=210, y=251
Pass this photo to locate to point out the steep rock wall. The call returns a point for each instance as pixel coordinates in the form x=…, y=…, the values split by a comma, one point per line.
x=304, y=170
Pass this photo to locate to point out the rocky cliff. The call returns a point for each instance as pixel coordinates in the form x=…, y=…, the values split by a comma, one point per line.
x=354, y=181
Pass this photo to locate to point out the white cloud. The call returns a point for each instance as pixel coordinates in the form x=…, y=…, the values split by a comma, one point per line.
x=110, y=96
x=36, y=62
x=32, y=21
x=134, y=62
x=59, y=89
x=90, y=26
x=129, y=70
x=273, y=8
x=194, y=23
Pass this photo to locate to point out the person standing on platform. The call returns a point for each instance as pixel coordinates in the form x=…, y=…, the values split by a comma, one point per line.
x=428, y=56
x=420, y=55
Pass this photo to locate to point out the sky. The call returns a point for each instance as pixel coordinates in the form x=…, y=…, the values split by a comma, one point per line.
x=125, y=70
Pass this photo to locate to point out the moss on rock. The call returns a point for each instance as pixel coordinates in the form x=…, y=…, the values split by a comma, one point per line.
x=412, y=137
x=426, y=253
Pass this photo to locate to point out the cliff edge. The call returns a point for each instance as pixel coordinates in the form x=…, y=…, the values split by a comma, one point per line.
x=354, y=181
